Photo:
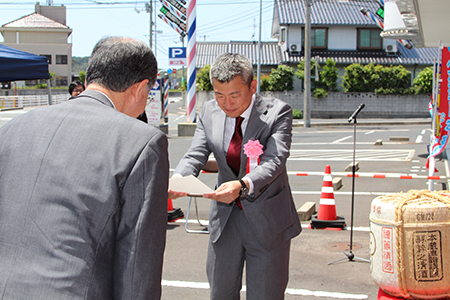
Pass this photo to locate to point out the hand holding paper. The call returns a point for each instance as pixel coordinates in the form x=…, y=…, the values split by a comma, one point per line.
x=188, y=186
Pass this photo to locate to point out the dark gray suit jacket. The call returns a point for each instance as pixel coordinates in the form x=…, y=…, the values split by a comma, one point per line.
x=83, y=203
x=270, y=210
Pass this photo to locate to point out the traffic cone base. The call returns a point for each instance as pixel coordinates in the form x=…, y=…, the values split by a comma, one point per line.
x=173, y=214
x=316, y=223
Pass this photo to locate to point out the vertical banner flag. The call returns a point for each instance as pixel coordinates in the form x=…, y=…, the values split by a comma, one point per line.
x=441, y=102
x=192, y=36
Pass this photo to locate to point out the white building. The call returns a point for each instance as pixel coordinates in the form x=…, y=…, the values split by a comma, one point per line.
x=45, y=33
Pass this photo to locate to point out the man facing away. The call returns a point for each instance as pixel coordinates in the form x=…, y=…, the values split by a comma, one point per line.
x=252, y=218
x=83, y=188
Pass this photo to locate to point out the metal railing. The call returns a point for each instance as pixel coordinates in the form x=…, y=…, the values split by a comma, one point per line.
x=31, y=100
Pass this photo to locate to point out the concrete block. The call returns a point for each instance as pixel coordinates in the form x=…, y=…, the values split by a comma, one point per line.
x=306, y=211
x=399, y=139
x=337, y=183
x=164, y=128
x=349, y=168
x=379, y=142
x=186, y=129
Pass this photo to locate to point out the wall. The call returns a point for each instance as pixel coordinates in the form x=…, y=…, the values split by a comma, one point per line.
x=342, y=105
x=342, y=38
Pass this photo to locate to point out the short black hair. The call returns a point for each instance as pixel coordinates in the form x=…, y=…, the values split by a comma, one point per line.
x=117, y=63
x=74, y=84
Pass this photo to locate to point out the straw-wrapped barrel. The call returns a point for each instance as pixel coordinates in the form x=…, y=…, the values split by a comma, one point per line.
x=410, y=244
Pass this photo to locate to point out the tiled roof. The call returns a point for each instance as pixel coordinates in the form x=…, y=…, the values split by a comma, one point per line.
x=207, y=51
x=326, y=12
x=421, y=56
x=35, y=20
x=272, y=54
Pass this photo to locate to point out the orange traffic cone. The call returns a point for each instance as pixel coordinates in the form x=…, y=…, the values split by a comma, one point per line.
x=326, y=217
x=173, y=214
x=327, y=206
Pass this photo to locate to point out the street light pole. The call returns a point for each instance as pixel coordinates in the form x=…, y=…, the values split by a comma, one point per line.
x=307, y=58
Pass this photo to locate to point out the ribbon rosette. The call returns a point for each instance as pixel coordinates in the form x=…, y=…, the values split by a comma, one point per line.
x=253, y=150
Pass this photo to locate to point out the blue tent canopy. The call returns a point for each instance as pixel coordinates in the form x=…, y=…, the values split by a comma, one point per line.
x=21, y=65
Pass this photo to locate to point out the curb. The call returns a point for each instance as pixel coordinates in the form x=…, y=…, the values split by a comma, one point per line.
x=366, y=123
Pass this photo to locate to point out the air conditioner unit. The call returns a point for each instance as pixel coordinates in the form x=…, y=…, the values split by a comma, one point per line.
x=295, y=49
x=391, y=48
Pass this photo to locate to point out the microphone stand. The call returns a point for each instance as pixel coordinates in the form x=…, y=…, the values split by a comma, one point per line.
x=350, y=256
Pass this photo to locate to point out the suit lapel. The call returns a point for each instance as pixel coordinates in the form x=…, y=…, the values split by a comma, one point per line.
x=219, y=131
x=258, y=118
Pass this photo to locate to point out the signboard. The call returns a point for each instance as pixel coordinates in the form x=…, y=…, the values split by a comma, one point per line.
x=177, y=56
x=153, y=108
x=173, y=18
x=176, y=8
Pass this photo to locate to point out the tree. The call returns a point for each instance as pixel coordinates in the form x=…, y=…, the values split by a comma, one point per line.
x=203, y=80
x=423, y=83
x=353, y=79
x=264, y=84
x=329, y=75
x=377, y=79
x=281, y=79
x=300, y=73
x=82, y=76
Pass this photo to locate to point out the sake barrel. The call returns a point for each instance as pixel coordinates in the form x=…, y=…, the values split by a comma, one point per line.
x=409, y=244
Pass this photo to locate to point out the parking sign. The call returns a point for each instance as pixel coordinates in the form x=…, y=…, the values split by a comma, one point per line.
x=177, y=56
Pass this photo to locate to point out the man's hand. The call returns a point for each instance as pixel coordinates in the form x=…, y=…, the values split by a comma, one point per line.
x=174, y=195
x=227, y=192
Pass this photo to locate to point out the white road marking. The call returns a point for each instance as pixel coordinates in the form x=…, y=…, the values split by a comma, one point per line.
x=347, y=154
x=290, y=291
x=341, y=139
x=304, y=225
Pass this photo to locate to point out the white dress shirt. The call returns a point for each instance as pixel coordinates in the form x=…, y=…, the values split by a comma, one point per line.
x=230, y=123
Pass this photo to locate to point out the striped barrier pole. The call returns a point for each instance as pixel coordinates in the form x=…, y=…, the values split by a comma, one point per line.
x=166, y=99
x=191, y=61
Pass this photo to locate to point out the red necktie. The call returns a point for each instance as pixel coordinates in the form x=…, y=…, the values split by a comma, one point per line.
x=234, y=151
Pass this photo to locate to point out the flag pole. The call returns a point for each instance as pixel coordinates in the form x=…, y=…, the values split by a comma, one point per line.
x=436, y=81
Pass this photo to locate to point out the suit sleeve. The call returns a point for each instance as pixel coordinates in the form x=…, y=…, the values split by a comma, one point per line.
x=277, y=146
x=141, y=235
x=196, y=157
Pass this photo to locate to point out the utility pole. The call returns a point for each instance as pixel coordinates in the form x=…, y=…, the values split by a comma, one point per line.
x=148, y=9
x=258, y=75
x=307, y=58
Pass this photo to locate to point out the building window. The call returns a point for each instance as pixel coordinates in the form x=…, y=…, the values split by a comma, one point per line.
x=283, y=35
x=61, y=59
x=61, y=81
x=369, y=39
x=49, y=58
x=318, y=38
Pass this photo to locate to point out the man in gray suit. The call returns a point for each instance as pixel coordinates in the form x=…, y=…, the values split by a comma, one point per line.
x=83, y=188
x=253, y=217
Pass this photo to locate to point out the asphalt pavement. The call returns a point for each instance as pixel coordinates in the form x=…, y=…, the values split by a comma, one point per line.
x=311, y=275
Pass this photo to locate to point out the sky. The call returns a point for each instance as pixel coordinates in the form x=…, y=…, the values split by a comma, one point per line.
x=217, y=21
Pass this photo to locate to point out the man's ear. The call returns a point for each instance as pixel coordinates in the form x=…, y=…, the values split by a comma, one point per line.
x=136, y=89
x=253, y=85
